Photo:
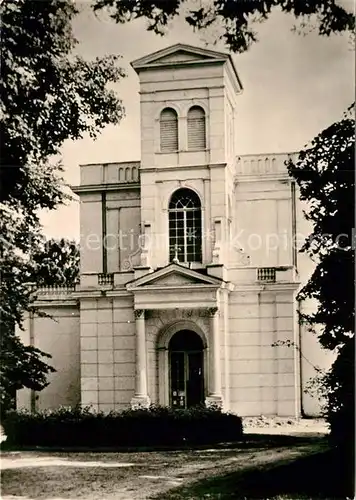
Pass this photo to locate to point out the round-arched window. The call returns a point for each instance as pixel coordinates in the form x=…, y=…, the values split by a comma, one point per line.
x=196, y=129
x=168, y=130
x=185, y=226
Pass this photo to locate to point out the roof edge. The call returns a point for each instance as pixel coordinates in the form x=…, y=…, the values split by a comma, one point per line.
x=173, y=48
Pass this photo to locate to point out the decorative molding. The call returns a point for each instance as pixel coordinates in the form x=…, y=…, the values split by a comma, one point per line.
x=167, y=104
x=139, y=313
x=56, y=302
x=138, y=402
x=216, y=253
x=133, y=260
x=88, y=188
x=161, y=57
x=214, y=401
x=187, y=184
x=212, y=311
x=152, y=279
x=160, y=329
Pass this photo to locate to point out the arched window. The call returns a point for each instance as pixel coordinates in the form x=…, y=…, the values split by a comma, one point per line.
x=169, y=130
x=185, y=226
x=196, y=129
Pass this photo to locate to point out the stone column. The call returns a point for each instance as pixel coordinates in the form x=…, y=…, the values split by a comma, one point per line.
x=215, y=394
x=141, y=398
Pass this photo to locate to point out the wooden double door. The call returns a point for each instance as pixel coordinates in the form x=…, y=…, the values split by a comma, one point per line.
x=186, y=356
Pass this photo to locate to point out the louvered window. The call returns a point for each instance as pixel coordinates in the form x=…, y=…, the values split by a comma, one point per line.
x=196, y=129
x=185, y=227
x=169, y=130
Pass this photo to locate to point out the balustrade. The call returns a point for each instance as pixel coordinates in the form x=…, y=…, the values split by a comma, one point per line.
x=105, y=279
x=54, y=290
x=263, y=164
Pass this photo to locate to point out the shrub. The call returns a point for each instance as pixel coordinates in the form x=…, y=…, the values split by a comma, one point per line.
x=155, y=426
x=340, y=384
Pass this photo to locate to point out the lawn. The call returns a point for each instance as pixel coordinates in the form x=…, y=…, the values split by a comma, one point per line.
x=322, y=475
x=201, y=473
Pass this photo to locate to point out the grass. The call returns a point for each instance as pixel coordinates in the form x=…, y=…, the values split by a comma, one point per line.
x=323, y=475
x=259, y=467
x=61, y=482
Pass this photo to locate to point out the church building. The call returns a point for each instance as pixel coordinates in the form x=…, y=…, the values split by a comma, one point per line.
x=189, y=263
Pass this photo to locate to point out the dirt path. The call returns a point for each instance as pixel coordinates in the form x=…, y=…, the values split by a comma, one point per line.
x=134, y=476
x=147, y=486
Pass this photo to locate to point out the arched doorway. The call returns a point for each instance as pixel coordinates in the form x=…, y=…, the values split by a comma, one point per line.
x=186, y=366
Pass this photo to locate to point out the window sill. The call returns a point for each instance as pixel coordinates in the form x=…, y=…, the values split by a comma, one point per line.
x=196, y=150
x=182, y=151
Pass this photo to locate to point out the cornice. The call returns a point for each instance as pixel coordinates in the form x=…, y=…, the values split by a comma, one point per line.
x=240, y=178
x=104, y=292
x=157, y=169
x=178, y=47
x=172, y=268
x=175, y=288
x=92, y=188
x=56, y=303
x=276, y=287
x=180, y=64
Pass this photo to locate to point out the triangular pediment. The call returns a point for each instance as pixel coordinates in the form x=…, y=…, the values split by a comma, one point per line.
x=173, y=275
x=173, y=278
x=181, y=56
x=179, y=53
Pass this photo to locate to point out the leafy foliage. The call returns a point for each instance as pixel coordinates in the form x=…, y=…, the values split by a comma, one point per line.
x=154, y=426
x=47, y=96
x=21, y=366
x=234, y=17
x=55, y=263
x=326, y=178
x=340, y=384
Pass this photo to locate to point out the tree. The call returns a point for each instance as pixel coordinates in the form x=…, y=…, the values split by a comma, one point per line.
x=233, y=18
x=53, y=263
x=56, y=263
x=326, y=177
x=48, y=95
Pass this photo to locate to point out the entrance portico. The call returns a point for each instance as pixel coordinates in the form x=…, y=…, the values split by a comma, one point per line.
x=189, y=359
x=182, y=355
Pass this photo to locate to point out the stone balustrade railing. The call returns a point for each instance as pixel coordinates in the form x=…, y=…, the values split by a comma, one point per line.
x=94, y=175
x=54, y=290
x=106, y=279
x=129, y=172
x=263, y=164
x=263, y=275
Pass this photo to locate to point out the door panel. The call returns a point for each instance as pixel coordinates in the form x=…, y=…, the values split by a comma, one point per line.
x=186, y=378
x=195, y=390
x=178, y=380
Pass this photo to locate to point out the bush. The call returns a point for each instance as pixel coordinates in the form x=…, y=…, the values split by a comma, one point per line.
x=155, y=426
x=340, y=384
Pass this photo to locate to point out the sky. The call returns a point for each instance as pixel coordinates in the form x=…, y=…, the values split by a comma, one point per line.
x=294, y=87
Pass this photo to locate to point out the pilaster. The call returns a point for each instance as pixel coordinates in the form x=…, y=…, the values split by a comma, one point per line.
x=215, y=393
x=141, y=398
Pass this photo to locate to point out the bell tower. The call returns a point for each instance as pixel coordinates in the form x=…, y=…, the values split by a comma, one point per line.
x=188, y=111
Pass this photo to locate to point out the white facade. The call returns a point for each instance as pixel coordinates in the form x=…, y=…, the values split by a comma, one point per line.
x=119, y=340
